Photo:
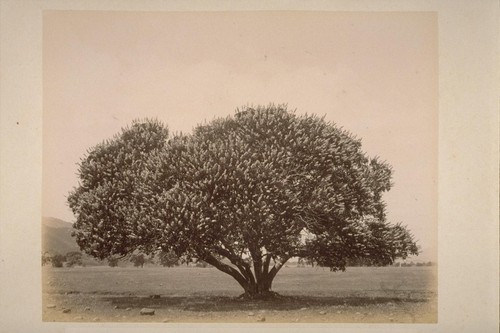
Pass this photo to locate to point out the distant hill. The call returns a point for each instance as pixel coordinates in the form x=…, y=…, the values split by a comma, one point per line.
x=56, y=236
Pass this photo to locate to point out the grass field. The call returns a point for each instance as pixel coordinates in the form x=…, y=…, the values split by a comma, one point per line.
x=188, y=294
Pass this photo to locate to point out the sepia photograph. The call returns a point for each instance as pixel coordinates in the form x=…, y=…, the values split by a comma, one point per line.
x=280, y=166
x=270, y=166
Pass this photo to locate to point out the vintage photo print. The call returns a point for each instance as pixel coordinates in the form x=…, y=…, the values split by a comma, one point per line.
x=240, y=167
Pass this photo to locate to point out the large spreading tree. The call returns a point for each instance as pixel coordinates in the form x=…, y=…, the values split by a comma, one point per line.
x=243, y=193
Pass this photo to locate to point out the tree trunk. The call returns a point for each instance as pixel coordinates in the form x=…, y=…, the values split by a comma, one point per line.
x=257, y=284
x=259, y=290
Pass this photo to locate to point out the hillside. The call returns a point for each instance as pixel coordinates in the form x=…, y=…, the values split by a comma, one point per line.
x=56, y=236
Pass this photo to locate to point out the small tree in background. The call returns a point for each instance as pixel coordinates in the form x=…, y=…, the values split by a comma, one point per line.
x=138, y=260
x=113, y=262
x=46, y=258
x=244, y=194
x=168, y=259
x=302, y=262
x=201, y=264
x=57, y=260
x=74, y=258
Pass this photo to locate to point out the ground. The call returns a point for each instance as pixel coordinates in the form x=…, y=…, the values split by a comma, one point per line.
x=188, y=294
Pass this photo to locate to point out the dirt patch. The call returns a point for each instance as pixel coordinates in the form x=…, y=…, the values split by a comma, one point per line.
x=91, y=307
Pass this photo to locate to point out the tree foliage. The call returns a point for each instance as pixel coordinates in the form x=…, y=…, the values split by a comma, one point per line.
x=46, y=258
x=74, y=258
x=138, y=259
x=57, y=260
x=109, y=196
x=113, y=261
x=243, y=193
x=168, y=259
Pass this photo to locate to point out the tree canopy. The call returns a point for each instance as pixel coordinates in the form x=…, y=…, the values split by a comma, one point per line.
x=243, y=193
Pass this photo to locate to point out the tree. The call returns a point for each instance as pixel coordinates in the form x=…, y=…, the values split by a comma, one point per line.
x=138, y=260
x=46, y=258
x=112, y=261
x=168, y=259
x=201, y=263
x=73, y=258
x=305, y=262
x=243, y=193
x=57, y=260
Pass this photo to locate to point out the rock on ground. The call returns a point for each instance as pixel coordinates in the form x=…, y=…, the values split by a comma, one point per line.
x=147, y=312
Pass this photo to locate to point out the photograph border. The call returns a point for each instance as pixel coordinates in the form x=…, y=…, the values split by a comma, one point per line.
x=468, y=163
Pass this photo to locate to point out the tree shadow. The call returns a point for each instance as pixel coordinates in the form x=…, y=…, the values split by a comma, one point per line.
x=282, y=303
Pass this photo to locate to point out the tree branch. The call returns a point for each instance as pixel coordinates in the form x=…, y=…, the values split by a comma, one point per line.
x=267, y=261
x=277, y=267
x=257, y=263
x=243, y=266
x=209, y=258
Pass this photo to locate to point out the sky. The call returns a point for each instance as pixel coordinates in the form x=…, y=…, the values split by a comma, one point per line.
x=374, y=74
